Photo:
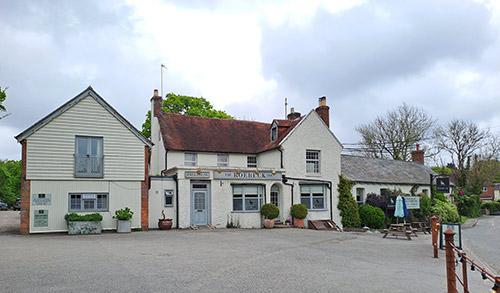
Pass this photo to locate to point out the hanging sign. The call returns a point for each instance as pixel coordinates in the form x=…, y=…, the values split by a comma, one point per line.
x=247, y=175
x=457, y=239
x=443, y=184
x=412, y=202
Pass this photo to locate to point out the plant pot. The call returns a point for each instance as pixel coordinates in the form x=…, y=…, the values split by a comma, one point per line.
x=123, y=226
x=269, y=223
x=84, y=227
x=298, y=223
x=164, y=224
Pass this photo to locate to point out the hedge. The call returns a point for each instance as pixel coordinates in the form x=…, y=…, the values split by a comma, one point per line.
x=446, y=211
x=469, y=205
x=492, y=206
x=371, y=216
x=347, y=205
x=74, y=217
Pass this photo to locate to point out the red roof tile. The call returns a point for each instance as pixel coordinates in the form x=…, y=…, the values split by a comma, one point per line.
x=188, y=133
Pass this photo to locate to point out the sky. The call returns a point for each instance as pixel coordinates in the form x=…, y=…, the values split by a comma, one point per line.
x=366, y=57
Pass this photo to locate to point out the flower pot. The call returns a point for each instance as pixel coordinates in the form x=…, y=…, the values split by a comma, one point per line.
x=84, y=227
x=123, y=226
x=269, y=223
x=164, y=224
x=298, y=223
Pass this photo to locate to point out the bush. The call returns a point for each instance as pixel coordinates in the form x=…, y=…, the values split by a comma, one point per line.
x=74, y=217
x=347, y=205
x=469, y=205
x=446, y=211
x=298, y=211
x=492, y=206
x=124, y=214
x=376, y=200
x=371, y=216
x=269, y=211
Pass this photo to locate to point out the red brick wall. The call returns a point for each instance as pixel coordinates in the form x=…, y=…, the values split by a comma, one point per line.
x=145, y=192
x=25, y=192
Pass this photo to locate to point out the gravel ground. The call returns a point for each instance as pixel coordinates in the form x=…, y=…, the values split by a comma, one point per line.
x=278, y=260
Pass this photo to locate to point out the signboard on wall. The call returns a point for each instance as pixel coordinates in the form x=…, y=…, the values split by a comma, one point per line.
x=41, y=218
x=197, y=174
x=457, y=239
x=41, y=199
x=247, y=175
x=412, y=202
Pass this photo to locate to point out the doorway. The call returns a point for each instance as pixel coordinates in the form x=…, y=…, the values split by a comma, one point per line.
x=276, y=197
x=200, y=199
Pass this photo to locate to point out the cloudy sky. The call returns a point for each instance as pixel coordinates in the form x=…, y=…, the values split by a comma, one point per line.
x=366, y=56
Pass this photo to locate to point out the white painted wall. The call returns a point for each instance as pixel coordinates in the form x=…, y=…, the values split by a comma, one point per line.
x=157, y=201
x=121, y=194
x=51, y=149
x=270, y=159
x=375, y=188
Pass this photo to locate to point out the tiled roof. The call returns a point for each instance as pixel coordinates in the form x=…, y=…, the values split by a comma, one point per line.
x=189, y=133
x=362, y=169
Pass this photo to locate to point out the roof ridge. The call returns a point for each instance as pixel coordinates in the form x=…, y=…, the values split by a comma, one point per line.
x=214, y=118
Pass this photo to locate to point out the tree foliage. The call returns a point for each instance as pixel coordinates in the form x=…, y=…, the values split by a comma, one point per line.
x=482, y=173
x=372, y=217
x=10, y=181
x=185, y=105
x=3, y=96
x=394, y=134
x=347, y=205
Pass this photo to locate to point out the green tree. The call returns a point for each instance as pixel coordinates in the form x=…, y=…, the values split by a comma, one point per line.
x=347, y=206
x=185, y=105
x=10, y=180
x=3, y=96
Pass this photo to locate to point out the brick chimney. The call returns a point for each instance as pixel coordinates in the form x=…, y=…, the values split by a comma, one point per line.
x=417, y=155
x=293, y=115
x=323, y=111
x=156, y=103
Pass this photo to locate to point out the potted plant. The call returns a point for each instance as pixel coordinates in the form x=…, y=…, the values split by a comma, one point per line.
x=164, y=223
x=270, y=212
x=83, y=224
x=123, y=223
x=299, y=213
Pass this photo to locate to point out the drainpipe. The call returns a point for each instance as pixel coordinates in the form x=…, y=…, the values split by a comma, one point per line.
x=281, y=157
x=176, y=179
x=330, y=185
x=284, y=180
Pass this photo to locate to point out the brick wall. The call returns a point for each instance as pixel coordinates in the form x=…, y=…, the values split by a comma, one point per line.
x=145, y=192
x=25, y=192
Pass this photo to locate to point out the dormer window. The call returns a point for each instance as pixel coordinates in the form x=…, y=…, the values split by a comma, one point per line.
x=274, y=132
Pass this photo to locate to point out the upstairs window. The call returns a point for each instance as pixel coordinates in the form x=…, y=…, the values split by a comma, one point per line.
x=222, y=160
x=252, y=161
x=88, y=156
x=312, y=162
x=190, y=159
x=274, y=133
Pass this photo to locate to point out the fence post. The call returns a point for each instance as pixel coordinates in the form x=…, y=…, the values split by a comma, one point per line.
x=434, y=233
x=497, y=284
x=464, y=272
x=450, y=262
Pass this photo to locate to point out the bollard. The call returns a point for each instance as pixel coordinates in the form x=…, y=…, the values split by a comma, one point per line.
x=434, y=233
x=465, y=280
x=450, y=262
x=496, y=287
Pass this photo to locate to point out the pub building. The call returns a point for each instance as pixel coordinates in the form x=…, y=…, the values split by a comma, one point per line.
x=219, y=172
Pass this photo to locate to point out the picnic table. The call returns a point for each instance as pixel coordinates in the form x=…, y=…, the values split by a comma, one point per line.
x=421, y=227
x=403, y=229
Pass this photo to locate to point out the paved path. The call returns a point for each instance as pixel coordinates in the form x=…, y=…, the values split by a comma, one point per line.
x=484, y=240
x=229, y=260
x=9, y=221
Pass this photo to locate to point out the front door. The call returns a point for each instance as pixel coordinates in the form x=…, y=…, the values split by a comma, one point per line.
x=199, y=203
x=275, y=197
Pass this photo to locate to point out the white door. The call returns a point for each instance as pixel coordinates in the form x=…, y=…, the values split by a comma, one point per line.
x=199, y=204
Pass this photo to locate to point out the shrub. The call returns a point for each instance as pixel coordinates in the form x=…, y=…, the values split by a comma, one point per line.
x=124, y=214
x=469, y=205
x=376, y=200
x=347, y=205
x=269, y=211
x=298, y=211
x=492, y=206
x=446, y=211
x=371, y=216
x=74, y=217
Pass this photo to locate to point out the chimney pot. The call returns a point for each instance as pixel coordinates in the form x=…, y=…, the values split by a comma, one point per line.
x=322, y=101
x=155, y=93
x=293, y=115
x=323, y=111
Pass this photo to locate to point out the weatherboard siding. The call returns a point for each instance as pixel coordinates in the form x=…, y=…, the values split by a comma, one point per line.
x=50, y=154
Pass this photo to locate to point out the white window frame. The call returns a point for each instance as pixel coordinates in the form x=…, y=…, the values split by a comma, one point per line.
x=244, y=197
x=307, y=196
x=317, y=161
x=362, y=197
x=82, y=198
x=191, y=162
x=222, y=160
x=87, y=159
x=274, y=132
x=251, y=164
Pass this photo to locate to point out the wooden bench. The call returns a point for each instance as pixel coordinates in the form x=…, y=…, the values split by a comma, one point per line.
x=398, y=230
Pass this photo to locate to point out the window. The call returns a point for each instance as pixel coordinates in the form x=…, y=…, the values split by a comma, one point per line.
x=88, y=156
x=313, y=196
x=252, y=161
x=222, y=160
x=312, y=161
x=275, y=192
x=425, y=191
x=274, y=133
x=88, y=202
x=190, y=159
x=360, y=195
x=485, y=188
x=247, y=197
x=169, y=198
